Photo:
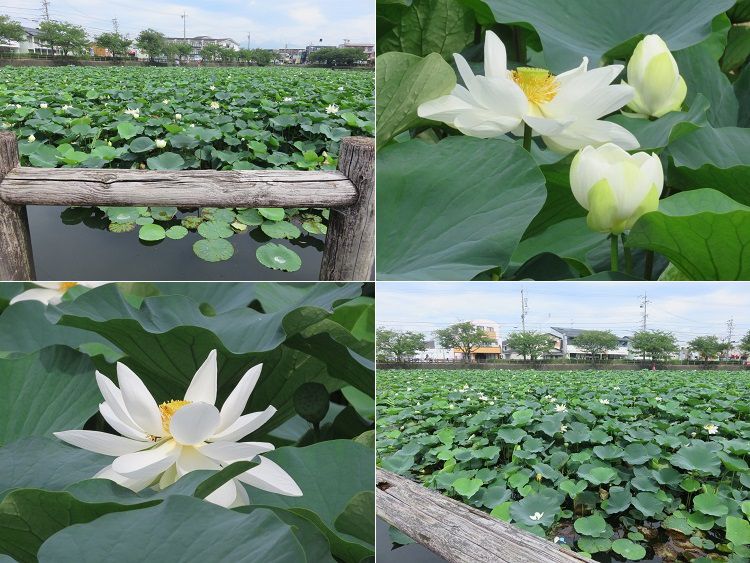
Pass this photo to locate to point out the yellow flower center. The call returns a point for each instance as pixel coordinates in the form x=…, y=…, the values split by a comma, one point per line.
x=168, y=409
x=539, y=85
x=65, y=286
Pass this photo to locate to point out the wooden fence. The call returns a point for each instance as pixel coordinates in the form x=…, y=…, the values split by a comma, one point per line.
x=349, y=192
x=458, y=532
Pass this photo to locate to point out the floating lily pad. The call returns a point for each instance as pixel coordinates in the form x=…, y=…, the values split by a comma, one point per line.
x=177, y=232
x=250, y=217
x=278, y=257
x=214, y=250
x=214, y=230
x=123, y=214
x=629, y=549
x=166, y=161
x=151, y=233
x=121, y=227
x=280, y=229
x=272, y=213
x=163, y=213
x=191, y=221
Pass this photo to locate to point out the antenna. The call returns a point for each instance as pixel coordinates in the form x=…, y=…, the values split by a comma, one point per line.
x=524, y=311
x=45, y=7
x=644, y=306
x=184, y=25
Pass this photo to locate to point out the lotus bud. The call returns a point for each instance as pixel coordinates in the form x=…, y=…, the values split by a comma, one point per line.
x=615, y=187
x=653, y=73
x=178, y=116
x=32, y=138
x=160, y=143
x=43, y=106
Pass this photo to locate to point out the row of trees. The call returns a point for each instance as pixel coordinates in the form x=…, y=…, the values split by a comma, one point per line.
x=655, y=345
x=335, y=56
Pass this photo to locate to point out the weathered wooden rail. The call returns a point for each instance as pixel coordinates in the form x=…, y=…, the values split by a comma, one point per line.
x=457, y=532
x=349, y=192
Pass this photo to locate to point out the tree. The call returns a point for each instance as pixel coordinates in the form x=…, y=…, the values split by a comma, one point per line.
x=707, y=346
x=227, y=55
x=334, y=56
x=399, y=345
x=152, y=43
x=464, y=336
x=183, y=49
x=657, y=344
x=11, y=30
x=261, y=57
x=114, y=42
x=531, y=344
x=596, y=342
x=69, y=38
x=745, y=342
x=210, y=52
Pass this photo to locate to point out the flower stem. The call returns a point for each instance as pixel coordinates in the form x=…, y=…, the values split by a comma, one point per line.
x=628, y=255
x=649, y=265
x=527, y=137
x=613, y=252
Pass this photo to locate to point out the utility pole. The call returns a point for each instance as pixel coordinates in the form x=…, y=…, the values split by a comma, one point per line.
x=116, y=25
x=184, y=25
x=248, y=40
x=644, y=306
x=730, y=336
x=45, y=7
x=524, y=311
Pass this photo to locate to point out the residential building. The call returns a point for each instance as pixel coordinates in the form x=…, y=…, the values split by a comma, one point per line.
x=29, y=44
x=493, y=351
x=564, y=339
x=291, y=55
x=197, y=43
x=368, y=48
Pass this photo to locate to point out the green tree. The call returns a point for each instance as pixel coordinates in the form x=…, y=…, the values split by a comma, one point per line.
x=183, y=50
x=657, y=344
x=334, y=56
x=210, y=52
x=531, y=344
x=116, y=43
x=707, y=346
x=11, y=30
x=227, y=55
x=152, y=43
x=261, y=57
x=245, y=55
x=464, y=336
x=398, y=345
x=70, y=39
x=596, y=342
x=745, y=342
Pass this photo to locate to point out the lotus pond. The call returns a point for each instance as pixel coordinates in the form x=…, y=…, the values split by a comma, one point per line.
x=309, y=411
x=619, y=465
x=187, y=118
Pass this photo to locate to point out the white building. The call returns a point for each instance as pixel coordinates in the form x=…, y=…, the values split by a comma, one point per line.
x=28, y=45
x=197, y=43
x=368, y=48
x=565, y=342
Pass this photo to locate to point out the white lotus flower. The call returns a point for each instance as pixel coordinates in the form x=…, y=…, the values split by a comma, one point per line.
x=51, y=293
x=288, y=99
x=653, y=73
x=616, y=187
x=31, y=138
x=332, y=108
x=43, y=106
x=215, y=105
x=564, y=109
x=561, y=408
x=341, y=88
x=161, y=443
x=66, y=107
x=563, y=428
x=658, y=399
x=178, y=116
x=537, y=516
x=711, y=428
x=165, y=102
x=134, y=112
x=160, y=143
x=212, y=87
x=604, y=401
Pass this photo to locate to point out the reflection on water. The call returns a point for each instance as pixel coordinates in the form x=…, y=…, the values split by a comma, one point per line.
x=88, y=251
x=413, y=553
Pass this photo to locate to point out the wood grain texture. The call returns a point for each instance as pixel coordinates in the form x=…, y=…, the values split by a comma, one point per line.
x=350, y=243
x=184, y=188
x=16, y=259
x=458, y=532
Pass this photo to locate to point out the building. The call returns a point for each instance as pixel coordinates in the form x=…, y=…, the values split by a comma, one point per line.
x=368, y=48
x=490, y=352
x=197, y=43
x=291, y=55
x=564, y=341
x=27, y=45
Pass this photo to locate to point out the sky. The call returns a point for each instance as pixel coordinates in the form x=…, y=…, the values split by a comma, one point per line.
x=687, y=309
x=271, y=24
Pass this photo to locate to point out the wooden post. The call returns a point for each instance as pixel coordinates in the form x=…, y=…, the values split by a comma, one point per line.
x=350, y=243
x=16, y=260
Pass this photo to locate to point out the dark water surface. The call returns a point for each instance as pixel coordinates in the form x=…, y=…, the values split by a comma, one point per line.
x=92, y=253
x=413, y=553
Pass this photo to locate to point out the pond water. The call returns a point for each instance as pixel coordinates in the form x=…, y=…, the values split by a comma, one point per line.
x=88, y=251
x=413, y=553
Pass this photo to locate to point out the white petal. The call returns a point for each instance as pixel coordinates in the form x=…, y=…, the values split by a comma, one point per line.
x=140, y=404
x=502, y=96
x=495, y=57
x=444, y=108
x=484, y=125
x=120, y=426
x=203, y=386
x=46, y=296
x=591, y=132
x=132, y=484
x=229, y=452
x=191, y=459
x=241, y=499
x=594, y=104
x=243, y=426
x=113, y=398
x=194, y=423
x=268, y=476
x=225, y=495
x=101, y=442
x=547, y=125
x=467, y=75
x=57, y=286
x=237, y=400
x=573, y=72
x=147, y=464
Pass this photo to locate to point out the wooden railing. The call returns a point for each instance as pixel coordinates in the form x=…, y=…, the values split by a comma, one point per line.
x=349, y=192
x=458, y=532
